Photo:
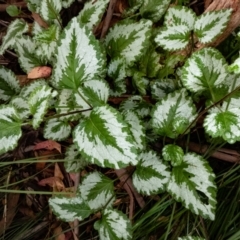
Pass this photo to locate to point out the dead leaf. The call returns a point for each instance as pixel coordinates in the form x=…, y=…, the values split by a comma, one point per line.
x=40, y=72
x=58, y=172
x=59, y=235
x=54, y=182
x=49, y=145
x=39, y=20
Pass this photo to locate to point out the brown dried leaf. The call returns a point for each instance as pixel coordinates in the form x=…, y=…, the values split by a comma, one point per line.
x=40, y=72
x=49, y=145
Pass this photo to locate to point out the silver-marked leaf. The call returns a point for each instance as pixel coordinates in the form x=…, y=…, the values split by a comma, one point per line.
x=205, y=70
x=225, y=124
x=21, y=106
x=95, y=92
x=140, y=82
x=33, y=5
x=50, y=9
x=25, y=48
x=28, y=89
x=151, y=174
x=97, y=190
x=211, y=24
x=192, y=184
x=92, y=13
x=180, y=15
x=67, y=3
x=173, y=114
x=69, y=209
x=57, y=130
x=173, y=38
x=160, y=88
x=190, y=238
x=137, y=128
x=114, y=225
x=173, y=153
x=235, y=66
x=38, y=104
x=105, y=139
x=10, y=125
x=79, y=57
x=15, y=30
x=117, y=71
x=9, y=85
x=74, y=160
x=154, y=9
x=136, y=104
x=128, y=39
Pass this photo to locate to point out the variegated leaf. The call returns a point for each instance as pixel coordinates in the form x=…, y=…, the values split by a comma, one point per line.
x=95, y=92
x=136, y=104
x=38, y=104
x=160, y=88
x=97, y=190
x=173, y=153
x=154, y=9
x=92, y=13
x=28, y=89
x=127, y=39
x=151, y=174
x=173, y=38
x=211, y=24
x=180, y=15
x=114, y=225
x=21, y=106
x=14, y=31
x=79, y=57
x=137, y=128
x=117, y=71
x=9, y=85
x=224, y=123
x=74, y=160
x=105, y=139
x=192, y=184
x=57, y=130
x=173, y=114
x=190, y=238
x=67, y=3
x=10, y=125
x=33, y=5
x=25, y=48
x=205, y=70
x=69, y=209
x=140, y=82
x=235, y=66
x=50, y=9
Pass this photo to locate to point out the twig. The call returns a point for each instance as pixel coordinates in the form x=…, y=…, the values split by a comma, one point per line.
x=108, y=18
x=19, y=4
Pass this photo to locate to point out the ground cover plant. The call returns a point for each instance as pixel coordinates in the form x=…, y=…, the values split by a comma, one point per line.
x=124, y=93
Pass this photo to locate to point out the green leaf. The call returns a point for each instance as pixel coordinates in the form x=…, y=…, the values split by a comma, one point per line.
x=38, y=104
x=105, y=139
x=114, y=225
x=67, y=3
x=21, y=106
x=9, y=85
x=180, y=15
x=173, y=38
x=74, y=160
x=211, y=24
x=79, y=57
x=173, y=114
x=117, y=71
x=97, y=190
x=225, y=124
x=127, y=39
x=173, y=153
x=26, y=48
x=14, y=31
x=154, y=9
x=190, y=238
x=136, y=127
x=69, y=209
x=151, y=174
x=192, y=184
x=205, y=71
x=235, y=66
x=10, y=125
x=57, y=130
x=160, y=88
x=92, y=13
x=13, y=10
x=136, y=104
x=33, y=5
x=50, y=9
